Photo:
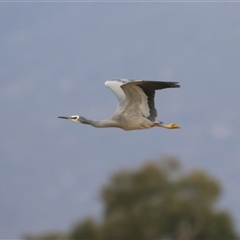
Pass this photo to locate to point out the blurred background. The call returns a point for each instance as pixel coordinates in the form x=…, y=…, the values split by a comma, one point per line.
x=54, y=60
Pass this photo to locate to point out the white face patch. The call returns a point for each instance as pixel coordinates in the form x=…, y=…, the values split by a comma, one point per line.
x=74, y=118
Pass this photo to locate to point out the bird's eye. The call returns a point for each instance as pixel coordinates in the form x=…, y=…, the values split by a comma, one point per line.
x=74, y=118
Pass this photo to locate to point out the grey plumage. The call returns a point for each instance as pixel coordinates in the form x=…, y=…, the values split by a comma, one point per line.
x=136, y=109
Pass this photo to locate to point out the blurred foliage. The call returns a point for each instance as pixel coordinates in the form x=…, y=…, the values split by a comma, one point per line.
x=157, y=201
x=47, y=236
x=88, y=229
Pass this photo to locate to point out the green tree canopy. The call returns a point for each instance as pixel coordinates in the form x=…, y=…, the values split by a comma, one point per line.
x=159, y=201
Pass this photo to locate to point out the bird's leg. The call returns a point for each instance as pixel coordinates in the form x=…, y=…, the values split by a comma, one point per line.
x=168, y=126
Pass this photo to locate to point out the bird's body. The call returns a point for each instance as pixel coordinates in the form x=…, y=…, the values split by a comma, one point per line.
x=136, y=109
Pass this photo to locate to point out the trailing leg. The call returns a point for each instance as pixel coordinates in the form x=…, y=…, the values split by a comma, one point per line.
x=168, y=126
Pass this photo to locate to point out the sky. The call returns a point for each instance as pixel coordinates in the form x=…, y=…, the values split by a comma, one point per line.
x=55, y=58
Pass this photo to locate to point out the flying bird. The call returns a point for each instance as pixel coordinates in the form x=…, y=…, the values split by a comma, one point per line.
x=136, y=108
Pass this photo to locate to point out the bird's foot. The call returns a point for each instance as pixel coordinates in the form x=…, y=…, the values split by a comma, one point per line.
x=172, y=126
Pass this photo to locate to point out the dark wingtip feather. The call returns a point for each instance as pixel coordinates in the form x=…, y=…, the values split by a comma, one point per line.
x=174, y=84
x=157, y=85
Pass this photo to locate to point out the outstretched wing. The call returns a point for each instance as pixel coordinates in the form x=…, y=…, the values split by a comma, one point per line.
x=149, y=87
x=137, y=96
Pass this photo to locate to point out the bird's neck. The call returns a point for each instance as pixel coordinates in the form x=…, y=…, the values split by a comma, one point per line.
x=99, y=124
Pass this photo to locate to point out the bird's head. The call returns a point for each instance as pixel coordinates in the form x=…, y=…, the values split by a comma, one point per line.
x=74, y=118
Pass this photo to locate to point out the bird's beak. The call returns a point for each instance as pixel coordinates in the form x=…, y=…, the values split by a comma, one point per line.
x=64, y=117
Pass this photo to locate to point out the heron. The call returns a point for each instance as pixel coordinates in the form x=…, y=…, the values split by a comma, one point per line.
x=136, y=109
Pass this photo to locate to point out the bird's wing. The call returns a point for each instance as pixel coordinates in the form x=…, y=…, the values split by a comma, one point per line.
x=139, y=94
x=131, y=98
x=115, y=86
x=149, y=87
x=136, y=103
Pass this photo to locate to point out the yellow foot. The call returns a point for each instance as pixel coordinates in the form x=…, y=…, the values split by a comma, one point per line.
x=172, y=126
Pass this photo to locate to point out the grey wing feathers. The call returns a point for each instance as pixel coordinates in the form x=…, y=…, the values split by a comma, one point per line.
x=155, y=85
x=151, y=104
x=149, y=88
